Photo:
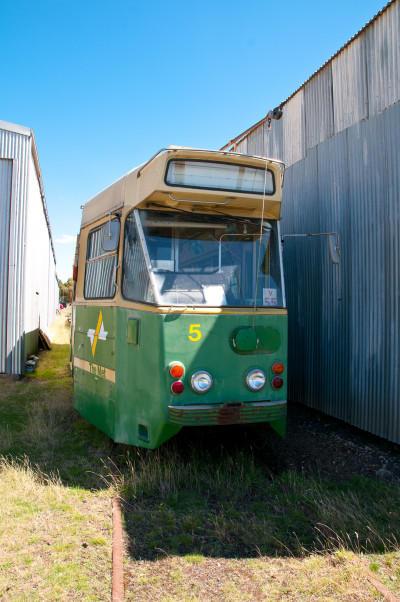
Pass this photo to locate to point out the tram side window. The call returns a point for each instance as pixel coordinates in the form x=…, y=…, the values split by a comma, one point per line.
x=100, y=267
x=135, y=279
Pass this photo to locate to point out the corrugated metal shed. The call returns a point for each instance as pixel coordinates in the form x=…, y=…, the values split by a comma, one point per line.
x=15, y=145
x=340, y=139
x=349, y=84
x=5, y=208
x=293, y=130
x=318, y=103
x=23, y=308
x=383, y=59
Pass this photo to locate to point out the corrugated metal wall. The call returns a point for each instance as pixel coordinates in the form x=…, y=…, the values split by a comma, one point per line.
x=17, y=147
x=340, y=139
x=5, y=206
x=40, y=275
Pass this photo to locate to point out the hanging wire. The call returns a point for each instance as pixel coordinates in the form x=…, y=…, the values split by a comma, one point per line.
x=260, y=241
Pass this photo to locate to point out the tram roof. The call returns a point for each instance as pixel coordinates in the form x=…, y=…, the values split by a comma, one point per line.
x=145, y=185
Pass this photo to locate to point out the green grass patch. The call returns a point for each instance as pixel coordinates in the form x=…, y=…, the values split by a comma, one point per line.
x=53, y=363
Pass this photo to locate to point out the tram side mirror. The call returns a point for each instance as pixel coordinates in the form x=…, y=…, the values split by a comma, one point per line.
x=334, y=248
x=111, y=236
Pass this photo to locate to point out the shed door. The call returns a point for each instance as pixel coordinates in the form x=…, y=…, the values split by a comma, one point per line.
x=5, y=204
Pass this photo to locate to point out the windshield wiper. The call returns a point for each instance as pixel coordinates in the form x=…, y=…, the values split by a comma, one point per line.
x=232, y=218
x=182, y=211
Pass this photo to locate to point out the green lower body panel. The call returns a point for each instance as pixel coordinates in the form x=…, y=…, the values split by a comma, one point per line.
x=123, y=382
x=227, y=413
x=94, y=399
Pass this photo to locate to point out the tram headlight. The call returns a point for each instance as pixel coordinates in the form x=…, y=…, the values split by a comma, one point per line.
x=255, y=380
x=201, y=381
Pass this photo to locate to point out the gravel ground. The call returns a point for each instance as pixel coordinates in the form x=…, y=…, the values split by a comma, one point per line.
x=331, y=448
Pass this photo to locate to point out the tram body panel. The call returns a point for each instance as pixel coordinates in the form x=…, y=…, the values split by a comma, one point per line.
x=141, y=412
x=123, y=384
x=229, y=400
x=94, y=365
x=214, y=353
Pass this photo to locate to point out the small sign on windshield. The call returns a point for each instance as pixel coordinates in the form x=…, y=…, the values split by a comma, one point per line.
x=269, y=297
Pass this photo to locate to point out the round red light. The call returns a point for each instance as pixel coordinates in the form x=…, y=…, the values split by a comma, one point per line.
x=176, y=370
x=278, y=368
x=177, y=387
x=277, y=382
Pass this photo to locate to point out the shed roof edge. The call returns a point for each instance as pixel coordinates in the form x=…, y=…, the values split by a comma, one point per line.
x=251, y=129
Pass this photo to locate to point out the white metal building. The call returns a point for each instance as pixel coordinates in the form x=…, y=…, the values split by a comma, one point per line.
x=339, y=136
x=28, y=280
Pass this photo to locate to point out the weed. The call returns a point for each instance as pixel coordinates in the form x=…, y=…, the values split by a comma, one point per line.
x=6, y=437
x=194, y=558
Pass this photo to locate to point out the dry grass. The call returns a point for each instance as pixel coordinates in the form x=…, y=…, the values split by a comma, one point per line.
x=55, y=541
x=385, y=568
x=55, y=514
x=316, y=577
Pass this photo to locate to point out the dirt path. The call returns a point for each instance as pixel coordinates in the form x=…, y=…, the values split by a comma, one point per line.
x=59, y=331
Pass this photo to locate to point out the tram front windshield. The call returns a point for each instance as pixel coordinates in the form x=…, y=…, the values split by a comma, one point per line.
x=213, y=260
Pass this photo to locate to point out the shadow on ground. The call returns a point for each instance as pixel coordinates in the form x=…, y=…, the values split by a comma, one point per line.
x=220, y=492
x=242, y=492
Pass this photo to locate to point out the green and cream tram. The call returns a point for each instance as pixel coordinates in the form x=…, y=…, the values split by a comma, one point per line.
x=179, y=314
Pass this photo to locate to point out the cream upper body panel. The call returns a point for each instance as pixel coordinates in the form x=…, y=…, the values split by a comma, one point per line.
x=145, y=186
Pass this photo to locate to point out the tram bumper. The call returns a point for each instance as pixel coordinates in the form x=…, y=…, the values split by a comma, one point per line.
x=234, y=412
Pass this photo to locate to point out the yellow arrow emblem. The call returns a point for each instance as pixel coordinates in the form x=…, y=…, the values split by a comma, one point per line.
x=99, y=333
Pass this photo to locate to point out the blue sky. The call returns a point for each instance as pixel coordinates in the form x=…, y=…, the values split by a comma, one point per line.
x=104, y=85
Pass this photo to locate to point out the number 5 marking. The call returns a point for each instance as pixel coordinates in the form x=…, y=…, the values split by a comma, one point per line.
x=194, y=333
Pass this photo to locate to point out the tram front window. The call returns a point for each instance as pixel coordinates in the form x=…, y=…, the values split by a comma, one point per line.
x=213, y=260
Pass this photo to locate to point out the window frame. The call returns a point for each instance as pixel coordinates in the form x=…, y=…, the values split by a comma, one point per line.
x=101, y=257
x=158, y=303
x=231, y=190
x=129, y=299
